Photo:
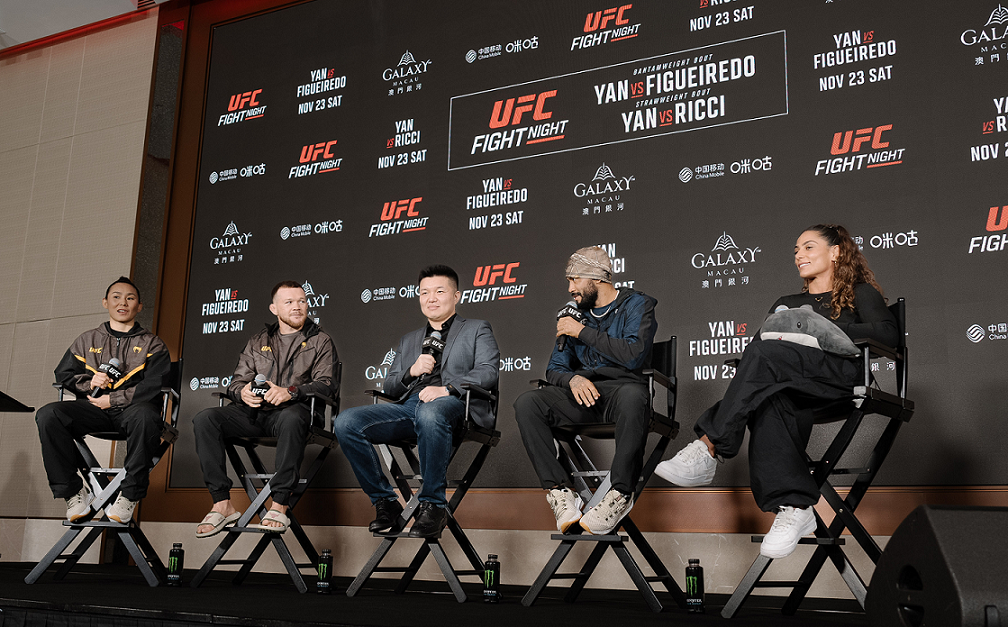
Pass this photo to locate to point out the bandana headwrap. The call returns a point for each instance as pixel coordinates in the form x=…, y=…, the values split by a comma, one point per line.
x=590, y=263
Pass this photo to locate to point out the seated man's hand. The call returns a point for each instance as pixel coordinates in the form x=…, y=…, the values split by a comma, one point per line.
x=584, y=391
x=249, y=398
x=100, y=380
x=423, y=365
x=431, y=392
x=102, y=402
x=276, y=395
x=569, y=326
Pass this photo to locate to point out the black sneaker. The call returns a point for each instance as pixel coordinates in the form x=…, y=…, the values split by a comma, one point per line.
x=387, y=515
x=429, y=522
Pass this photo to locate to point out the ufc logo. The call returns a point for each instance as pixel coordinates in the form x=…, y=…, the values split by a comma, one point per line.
x=501, y=115
x=488, y=275
x=599, y=19
x=860, y=137
x=993, y=224
x=311, y=152
x=239, y=101
x=392, y=210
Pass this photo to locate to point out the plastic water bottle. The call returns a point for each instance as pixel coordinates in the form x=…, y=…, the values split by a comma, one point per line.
x=491, y=580
x=324, y=572
x=176, y=557
x=694, y=587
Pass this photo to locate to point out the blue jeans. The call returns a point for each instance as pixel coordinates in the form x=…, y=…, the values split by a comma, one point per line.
x=431, y=424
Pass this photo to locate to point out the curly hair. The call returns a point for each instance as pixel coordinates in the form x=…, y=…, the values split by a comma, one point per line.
x=851, y=267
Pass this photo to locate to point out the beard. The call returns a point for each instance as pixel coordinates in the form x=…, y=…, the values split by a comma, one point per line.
x=291, y=323
x=589, y=296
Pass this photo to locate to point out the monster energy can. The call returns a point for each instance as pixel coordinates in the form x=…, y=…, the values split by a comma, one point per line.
x=324, y=572
x=694, y=587
x=491, y=580
x=175, y=558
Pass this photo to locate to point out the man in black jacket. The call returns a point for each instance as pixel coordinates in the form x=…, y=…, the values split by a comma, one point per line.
x=107, y=404
x=596, y=377
x=296, y=357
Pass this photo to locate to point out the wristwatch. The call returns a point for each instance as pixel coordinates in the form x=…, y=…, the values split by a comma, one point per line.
x=293, y=391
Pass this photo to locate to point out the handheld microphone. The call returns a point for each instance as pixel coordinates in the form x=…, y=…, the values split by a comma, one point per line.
x=114, y=371
x=570, y=310
x=259, y=386
x=433, y=344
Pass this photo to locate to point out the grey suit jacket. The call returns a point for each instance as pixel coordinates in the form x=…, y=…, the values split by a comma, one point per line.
x=471, y=356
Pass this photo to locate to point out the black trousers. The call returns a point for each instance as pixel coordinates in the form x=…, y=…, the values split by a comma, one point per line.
x=624, y=402
x=60, y=422
x=777, y=389
x=289, y=425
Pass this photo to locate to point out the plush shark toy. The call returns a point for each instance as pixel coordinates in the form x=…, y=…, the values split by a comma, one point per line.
x=804, y=326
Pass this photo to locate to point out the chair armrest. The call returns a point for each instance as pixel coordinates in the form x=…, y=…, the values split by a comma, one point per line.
x=168, y=390
x=659, y=378
x=539, y=382
x=478, y=391
x=877, y=349
x=379, y=395
x=733, y=362
x=331, y=402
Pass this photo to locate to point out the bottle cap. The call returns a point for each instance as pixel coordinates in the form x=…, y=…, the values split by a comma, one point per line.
x=694, y=561
x=492, y=556
x=177, y=545
x=326, y=551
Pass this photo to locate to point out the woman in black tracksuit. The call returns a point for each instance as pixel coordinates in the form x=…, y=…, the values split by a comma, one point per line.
x=779, y=385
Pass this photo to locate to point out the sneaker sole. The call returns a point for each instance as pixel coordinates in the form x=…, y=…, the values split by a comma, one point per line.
x=683, y=482
x=780, y=553
x=74, y=519
x=610, y=529
x=563, y=527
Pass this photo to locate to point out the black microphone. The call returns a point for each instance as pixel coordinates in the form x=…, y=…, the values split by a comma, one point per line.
x=259, y=386
x=433, y=345
x=114, y=371
x=570, y=310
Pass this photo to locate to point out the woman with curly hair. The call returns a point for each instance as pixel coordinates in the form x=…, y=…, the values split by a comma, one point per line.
x=779, y=385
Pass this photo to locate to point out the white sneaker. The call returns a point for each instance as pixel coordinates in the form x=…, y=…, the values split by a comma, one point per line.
x=693, y=466
x=789, y=526
x=566, y=507
x=122, y=510
x=604, y=517
x=79, y=505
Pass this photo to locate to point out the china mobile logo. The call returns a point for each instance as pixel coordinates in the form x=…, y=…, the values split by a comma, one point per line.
x=494, y=282
x=399, y=216
x=501, y=115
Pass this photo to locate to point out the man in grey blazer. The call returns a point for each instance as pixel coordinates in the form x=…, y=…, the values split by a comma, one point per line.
x=430, y=365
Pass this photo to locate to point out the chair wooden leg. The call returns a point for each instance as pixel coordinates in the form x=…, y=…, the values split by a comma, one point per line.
x=53, y=554
x=446, y=569
x=151, y=567
x=371, y=565
x=215, y=557
x=637, y=576
x=413, y=568
x=745, y=587
x=558, y=557
x=586, y=572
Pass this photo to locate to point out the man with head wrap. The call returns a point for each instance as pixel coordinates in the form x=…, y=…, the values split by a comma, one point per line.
x=595, y=378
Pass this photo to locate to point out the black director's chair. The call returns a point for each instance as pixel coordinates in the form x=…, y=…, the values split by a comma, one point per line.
x=257, y=488
x=406, y=481
x=865, y=400
x=104, y=484
x=593, y=484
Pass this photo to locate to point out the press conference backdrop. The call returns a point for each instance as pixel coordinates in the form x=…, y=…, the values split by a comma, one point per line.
x=346, y=145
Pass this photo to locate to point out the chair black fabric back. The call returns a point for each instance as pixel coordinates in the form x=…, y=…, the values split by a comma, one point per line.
x=663, y=357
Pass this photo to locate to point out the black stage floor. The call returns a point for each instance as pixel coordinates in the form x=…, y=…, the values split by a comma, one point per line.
x=117, y=596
